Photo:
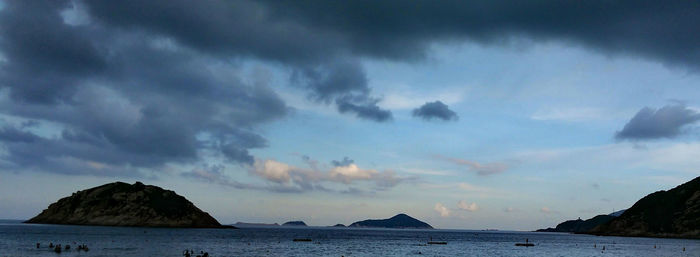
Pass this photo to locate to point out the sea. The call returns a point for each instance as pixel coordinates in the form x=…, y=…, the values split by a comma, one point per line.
x=18, y=239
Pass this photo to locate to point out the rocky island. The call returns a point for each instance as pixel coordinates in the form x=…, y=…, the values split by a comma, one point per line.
x=122, y=204
x=672, y=213
x=294, y=223
x=398, y=221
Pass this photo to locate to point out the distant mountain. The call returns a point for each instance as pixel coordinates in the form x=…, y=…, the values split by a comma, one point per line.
x=579, y=225
x=122, y=204
x=294, y=223
x=672, y=213
x=245, y=224
x=398, y=221
x=339, y=225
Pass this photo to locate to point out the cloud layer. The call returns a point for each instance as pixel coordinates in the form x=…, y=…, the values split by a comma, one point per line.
x=132, y=85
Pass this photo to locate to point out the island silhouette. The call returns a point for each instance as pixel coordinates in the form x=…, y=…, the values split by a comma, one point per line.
x=673, y=213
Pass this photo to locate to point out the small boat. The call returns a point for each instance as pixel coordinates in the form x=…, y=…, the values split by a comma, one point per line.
x=302, y=240
x=437, y=243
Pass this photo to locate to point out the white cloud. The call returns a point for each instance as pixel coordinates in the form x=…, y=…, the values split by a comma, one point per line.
x=482, y=169
x=463, y=205
x=347, y=174
x=440, y=208
x=272, y=170
x=546, y=210
x=309, y=178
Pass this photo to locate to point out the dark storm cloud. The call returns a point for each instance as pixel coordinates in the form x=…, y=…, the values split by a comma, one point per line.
x=435, y=110
x=121, y=100
x=396, y=29
x=666, y=122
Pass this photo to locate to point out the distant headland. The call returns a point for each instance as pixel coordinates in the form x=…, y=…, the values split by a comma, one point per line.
x=582, y=226
x=122, y=204
x=674, y=213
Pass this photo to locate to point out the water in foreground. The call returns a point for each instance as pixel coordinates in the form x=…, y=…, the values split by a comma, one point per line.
x=18, y=239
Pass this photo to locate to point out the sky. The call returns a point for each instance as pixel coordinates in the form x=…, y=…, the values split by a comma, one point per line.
x=464, y=114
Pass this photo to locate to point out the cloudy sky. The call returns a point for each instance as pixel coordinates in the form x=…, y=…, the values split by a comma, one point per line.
x=496, y=114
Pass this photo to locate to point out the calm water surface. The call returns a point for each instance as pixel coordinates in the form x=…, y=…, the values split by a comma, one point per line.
x=20, y=240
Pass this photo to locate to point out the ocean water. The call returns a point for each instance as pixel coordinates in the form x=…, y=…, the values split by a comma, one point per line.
x=18, y=239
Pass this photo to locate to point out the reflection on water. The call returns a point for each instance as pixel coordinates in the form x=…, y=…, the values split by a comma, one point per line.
x=20, y=240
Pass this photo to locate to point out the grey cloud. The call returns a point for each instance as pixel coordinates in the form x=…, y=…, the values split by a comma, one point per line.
x=344, y=162
x=28, y=151
x=333, y=80
x=313, y=164
x=363, y=107
x=214, y=174
x=345, y=82
x=320, y=62
x=29, y=124
x=211, y=174
x=435, y=110
x=357, y=192
x=666, y=122
x=45, y=57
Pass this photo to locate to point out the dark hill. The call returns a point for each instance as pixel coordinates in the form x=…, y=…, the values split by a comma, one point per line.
x=294, y=223
x=398, y=221
x=672, y=213
x=122, y=204
x=579, y=225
